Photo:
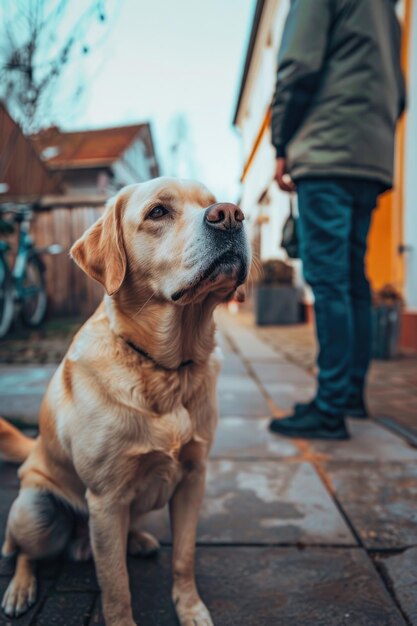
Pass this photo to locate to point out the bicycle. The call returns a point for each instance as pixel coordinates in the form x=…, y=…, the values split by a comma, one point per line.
x=22, y=286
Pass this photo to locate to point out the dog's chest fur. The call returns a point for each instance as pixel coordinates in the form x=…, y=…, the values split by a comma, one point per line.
x=136, y=424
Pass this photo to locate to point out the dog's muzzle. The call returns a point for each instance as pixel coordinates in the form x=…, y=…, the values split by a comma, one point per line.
x=225, y=247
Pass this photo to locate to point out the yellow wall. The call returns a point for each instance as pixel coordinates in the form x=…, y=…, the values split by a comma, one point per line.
x=380, y=257
x=385, y=261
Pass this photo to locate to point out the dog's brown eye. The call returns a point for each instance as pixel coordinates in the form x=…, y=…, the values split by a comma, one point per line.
x=157, y=212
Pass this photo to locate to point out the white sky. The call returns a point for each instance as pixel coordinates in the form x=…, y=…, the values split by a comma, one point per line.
x=169, y=57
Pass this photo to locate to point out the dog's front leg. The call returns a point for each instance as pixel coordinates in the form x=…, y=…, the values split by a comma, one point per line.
x=184, y=510
x=109, y=523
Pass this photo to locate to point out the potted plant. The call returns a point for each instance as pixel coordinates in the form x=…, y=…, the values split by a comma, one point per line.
x=277, y=300
x=386, y=322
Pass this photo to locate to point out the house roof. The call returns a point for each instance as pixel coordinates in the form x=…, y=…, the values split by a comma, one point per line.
x=23, y=176
x=251, y=46
x=88, y=148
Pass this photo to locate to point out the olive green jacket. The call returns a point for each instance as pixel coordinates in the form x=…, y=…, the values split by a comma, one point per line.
x=339, y=89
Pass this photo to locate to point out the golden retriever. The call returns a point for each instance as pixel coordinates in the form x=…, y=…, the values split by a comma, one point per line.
x=129, y=416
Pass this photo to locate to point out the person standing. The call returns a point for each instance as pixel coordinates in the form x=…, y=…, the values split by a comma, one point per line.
x=339, y=94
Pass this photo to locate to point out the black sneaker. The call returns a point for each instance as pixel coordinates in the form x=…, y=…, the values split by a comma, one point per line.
x=302, y=407
x=356, y=407
x=311, y=424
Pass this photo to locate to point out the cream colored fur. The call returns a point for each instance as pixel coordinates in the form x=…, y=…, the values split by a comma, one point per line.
x=119, y=435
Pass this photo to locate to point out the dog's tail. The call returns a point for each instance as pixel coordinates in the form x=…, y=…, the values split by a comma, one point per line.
x=14, y=445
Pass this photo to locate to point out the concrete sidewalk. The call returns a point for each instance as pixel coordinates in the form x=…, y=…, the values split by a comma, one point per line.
x=22, y=388
x=290, y=532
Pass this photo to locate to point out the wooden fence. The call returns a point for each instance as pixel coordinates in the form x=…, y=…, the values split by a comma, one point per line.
x=70, y=291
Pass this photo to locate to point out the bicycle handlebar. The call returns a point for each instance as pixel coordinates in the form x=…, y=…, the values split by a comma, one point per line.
x=22, y=211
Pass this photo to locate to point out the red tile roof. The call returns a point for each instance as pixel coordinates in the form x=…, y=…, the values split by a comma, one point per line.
x=90, y=148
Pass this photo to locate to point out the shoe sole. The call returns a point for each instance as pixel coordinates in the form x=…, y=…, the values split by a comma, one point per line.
x=358, y=416
x=312, y=435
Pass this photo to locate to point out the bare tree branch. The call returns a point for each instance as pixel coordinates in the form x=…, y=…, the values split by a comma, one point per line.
x=40, y=40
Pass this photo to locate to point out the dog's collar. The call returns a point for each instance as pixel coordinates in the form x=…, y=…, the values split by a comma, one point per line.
x=147, y=356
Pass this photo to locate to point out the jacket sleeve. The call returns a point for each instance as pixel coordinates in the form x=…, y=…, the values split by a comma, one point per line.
x=402, y=95
x=300, y=61
x=402, y=88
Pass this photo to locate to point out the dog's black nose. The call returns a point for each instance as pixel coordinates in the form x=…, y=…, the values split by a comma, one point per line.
x=224, y=216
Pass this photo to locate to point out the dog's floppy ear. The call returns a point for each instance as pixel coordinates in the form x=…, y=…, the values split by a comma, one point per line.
x=100, y=252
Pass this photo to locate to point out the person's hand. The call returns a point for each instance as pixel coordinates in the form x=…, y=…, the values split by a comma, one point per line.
x=282, y=177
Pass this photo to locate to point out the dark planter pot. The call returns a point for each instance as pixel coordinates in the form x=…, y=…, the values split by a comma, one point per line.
x=386, y=324
x=277, y=305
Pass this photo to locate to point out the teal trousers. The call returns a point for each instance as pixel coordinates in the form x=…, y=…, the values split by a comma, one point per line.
x=335, y=216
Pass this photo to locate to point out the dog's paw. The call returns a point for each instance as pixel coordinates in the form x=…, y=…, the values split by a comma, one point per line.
x=20, y=595
x=142, y=544
x=196, y=615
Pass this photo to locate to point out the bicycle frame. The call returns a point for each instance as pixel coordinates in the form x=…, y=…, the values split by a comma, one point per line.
x=25, y=249
x=25, y=279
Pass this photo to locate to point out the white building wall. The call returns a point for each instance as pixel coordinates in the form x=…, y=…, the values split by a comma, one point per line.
x=410, y=173
x=257, y=98
x=273, y=210
x=275, y=206
x=260, y=82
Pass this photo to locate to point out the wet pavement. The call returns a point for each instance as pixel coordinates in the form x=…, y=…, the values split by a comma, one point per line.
x=22, y=388
x=291, y=533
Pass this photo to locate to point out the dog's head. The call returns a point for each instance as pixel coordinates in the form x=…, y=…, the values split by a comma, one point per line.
x=171, y=238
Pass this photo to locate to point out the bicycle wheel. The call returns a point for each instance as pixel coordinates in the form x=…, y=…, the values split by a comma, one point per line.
x=33, y=295
x=6, y=297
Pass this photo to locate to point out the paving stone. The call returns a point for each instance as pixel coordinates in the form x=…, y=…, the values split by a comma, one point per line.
x=250, y=347
x=233, y=364
x=402, y=411
x=46, y=569
x=370, y=442
x=245, y=340
x=241, y=397
x=401, y=571
x=25, y=379
x=270, y=586
x=7, y=496
x=77, y=577
x=8, y=475
x=380, y=501
x=69, y=609
x=296, y=341
x=278, y=373
x=264, y=502
x=22, y=388
x=7, y=566
x=237, y=384
x=286, y=395
x=224, y=344
x=240, y=438
x=150, y=586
